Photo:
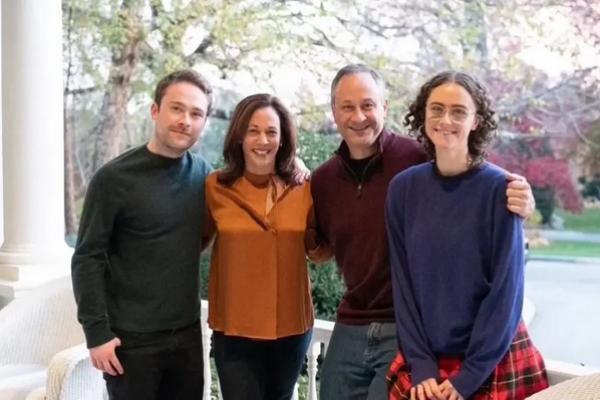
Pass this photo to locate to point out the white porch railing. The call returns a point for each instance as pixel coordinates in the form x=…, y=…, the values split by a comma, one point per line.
x=558, y=371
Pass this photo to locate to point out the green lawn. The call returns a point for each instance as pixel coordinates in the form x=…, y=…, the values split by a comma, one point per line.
x=570, y=249
x=588, y=221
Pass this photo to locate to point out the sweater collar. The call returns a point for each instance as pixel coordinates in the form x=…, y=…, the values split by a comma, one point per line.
x=344, y=152
x=376, y=163
x=163, y=160
x=258, y=180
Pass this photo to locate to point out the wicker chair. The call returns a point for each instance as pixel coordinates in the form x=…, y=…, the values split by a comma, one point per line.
x=42, y=355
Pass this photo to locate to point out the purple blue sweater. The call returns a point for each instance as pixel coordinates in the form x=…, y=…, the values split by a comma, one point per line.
x=456, y=255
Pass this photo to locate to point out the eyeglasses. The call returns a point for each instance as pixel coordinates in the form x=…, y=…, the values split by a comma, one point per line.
x=457, y=114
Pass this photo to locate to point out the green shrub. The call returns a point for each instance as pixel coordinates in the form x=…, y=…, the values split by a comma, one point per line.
x=315, y=148
x=591, y=188
x=545, y=202
x=204, y=269
x=327, y=289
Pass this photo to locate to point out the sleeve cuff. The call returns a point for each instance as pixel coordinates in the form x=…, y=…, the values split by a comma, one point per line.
x=97, y=334
x=465, y=383
x=421, y=370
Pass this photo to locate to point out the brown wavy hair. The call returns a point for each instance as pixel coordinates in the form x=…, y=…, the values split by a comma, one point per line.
x=487, y=125
x=233, y=154
x=187, y=76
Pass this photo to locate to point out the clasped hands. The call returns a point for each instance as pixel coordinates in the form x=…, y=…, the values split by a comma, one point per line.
x=429, y=389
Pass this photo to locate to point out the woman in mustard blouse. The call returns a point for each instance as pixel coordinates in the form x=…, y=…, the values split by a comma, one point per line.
x=260, y=306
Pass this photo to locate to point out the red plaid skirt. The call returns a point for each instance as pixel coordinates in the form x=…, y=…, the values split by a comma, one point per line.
x=520, y=373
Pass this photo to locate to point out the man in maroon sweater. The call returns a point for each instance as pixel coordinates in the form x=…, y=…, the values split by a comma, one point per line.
x=349, y=192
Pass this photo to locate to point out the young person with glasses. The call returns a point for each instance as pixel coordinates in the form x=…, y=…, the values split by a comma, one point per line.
x=456, y=256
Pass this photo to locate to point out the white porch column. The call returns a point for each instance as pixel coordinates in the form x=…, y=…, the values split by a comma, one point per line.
x=1, y=190
x=34, y=249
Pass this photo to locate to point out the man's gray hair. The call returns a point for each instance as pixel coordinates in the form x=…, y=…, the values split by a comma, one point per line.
x=352, y=69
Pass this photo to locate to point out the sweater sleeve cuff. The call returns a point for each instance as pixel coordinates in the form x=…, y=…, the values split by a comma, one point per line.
x=465, y=383
x=311, y=241
x=423, y=369
x=97, y=334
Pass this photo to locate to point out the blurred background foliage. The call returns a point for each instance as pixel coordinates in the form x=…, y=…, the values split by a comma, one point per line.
x=538, y=58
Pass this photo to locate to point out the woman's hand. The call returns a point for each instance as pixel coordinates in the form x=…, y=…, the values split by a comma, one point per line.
x=449, y=391
x=427, y=390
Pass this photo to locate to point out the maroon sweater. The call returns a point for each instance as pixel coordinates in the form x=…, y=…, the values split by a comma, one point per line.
x=350, y=216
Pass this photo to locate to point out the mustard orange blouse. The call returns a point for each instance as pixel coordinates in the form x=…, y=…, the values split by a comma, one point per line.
x=258, y=283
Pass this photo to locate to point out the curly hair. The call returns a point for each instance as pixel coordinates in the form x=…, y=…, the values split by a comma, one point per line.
x=285, y=166
x=478, y=138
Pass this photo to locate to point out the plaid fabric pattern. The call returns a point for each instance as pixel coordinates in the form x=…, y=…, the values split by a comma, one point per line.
x=520, y=373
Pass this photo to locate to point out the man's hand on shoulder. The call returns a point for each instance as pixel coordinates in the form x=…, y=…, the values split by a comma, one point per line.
x=303, y=173
x=519, y=196
x=105, y=358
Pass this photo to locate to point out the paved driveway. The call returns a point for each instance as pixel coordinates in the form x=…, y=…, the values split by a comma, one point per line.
x=566, y=325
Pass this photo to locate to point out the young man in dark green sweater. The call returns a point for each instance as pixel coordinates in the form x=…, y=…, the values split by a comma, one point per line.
x=136, y=263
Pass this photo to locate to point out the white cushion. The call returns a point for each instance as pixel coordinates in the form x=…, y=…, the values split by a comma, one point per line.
x=12, y=370
x=37, y=394
x=17, y=380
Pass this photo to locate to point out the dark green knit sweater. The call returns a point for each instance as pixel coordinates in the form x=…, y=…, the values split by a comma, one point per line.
x=136, y=262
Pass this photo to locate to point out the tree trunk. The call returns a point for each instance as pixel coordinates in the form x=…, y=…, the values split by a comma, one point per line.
x=69, y=143
x=70, y=214
x=110, y=130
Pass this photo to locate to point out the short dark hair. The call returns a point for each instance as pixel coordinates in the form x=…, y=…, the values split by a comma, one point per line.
x=352, y=69
x=233, y=154
x=487, y=125
x=184, y=75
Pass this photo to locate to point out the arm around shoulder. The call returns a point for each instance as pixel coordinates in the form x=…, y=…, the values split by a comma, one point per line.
x=317, y=248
